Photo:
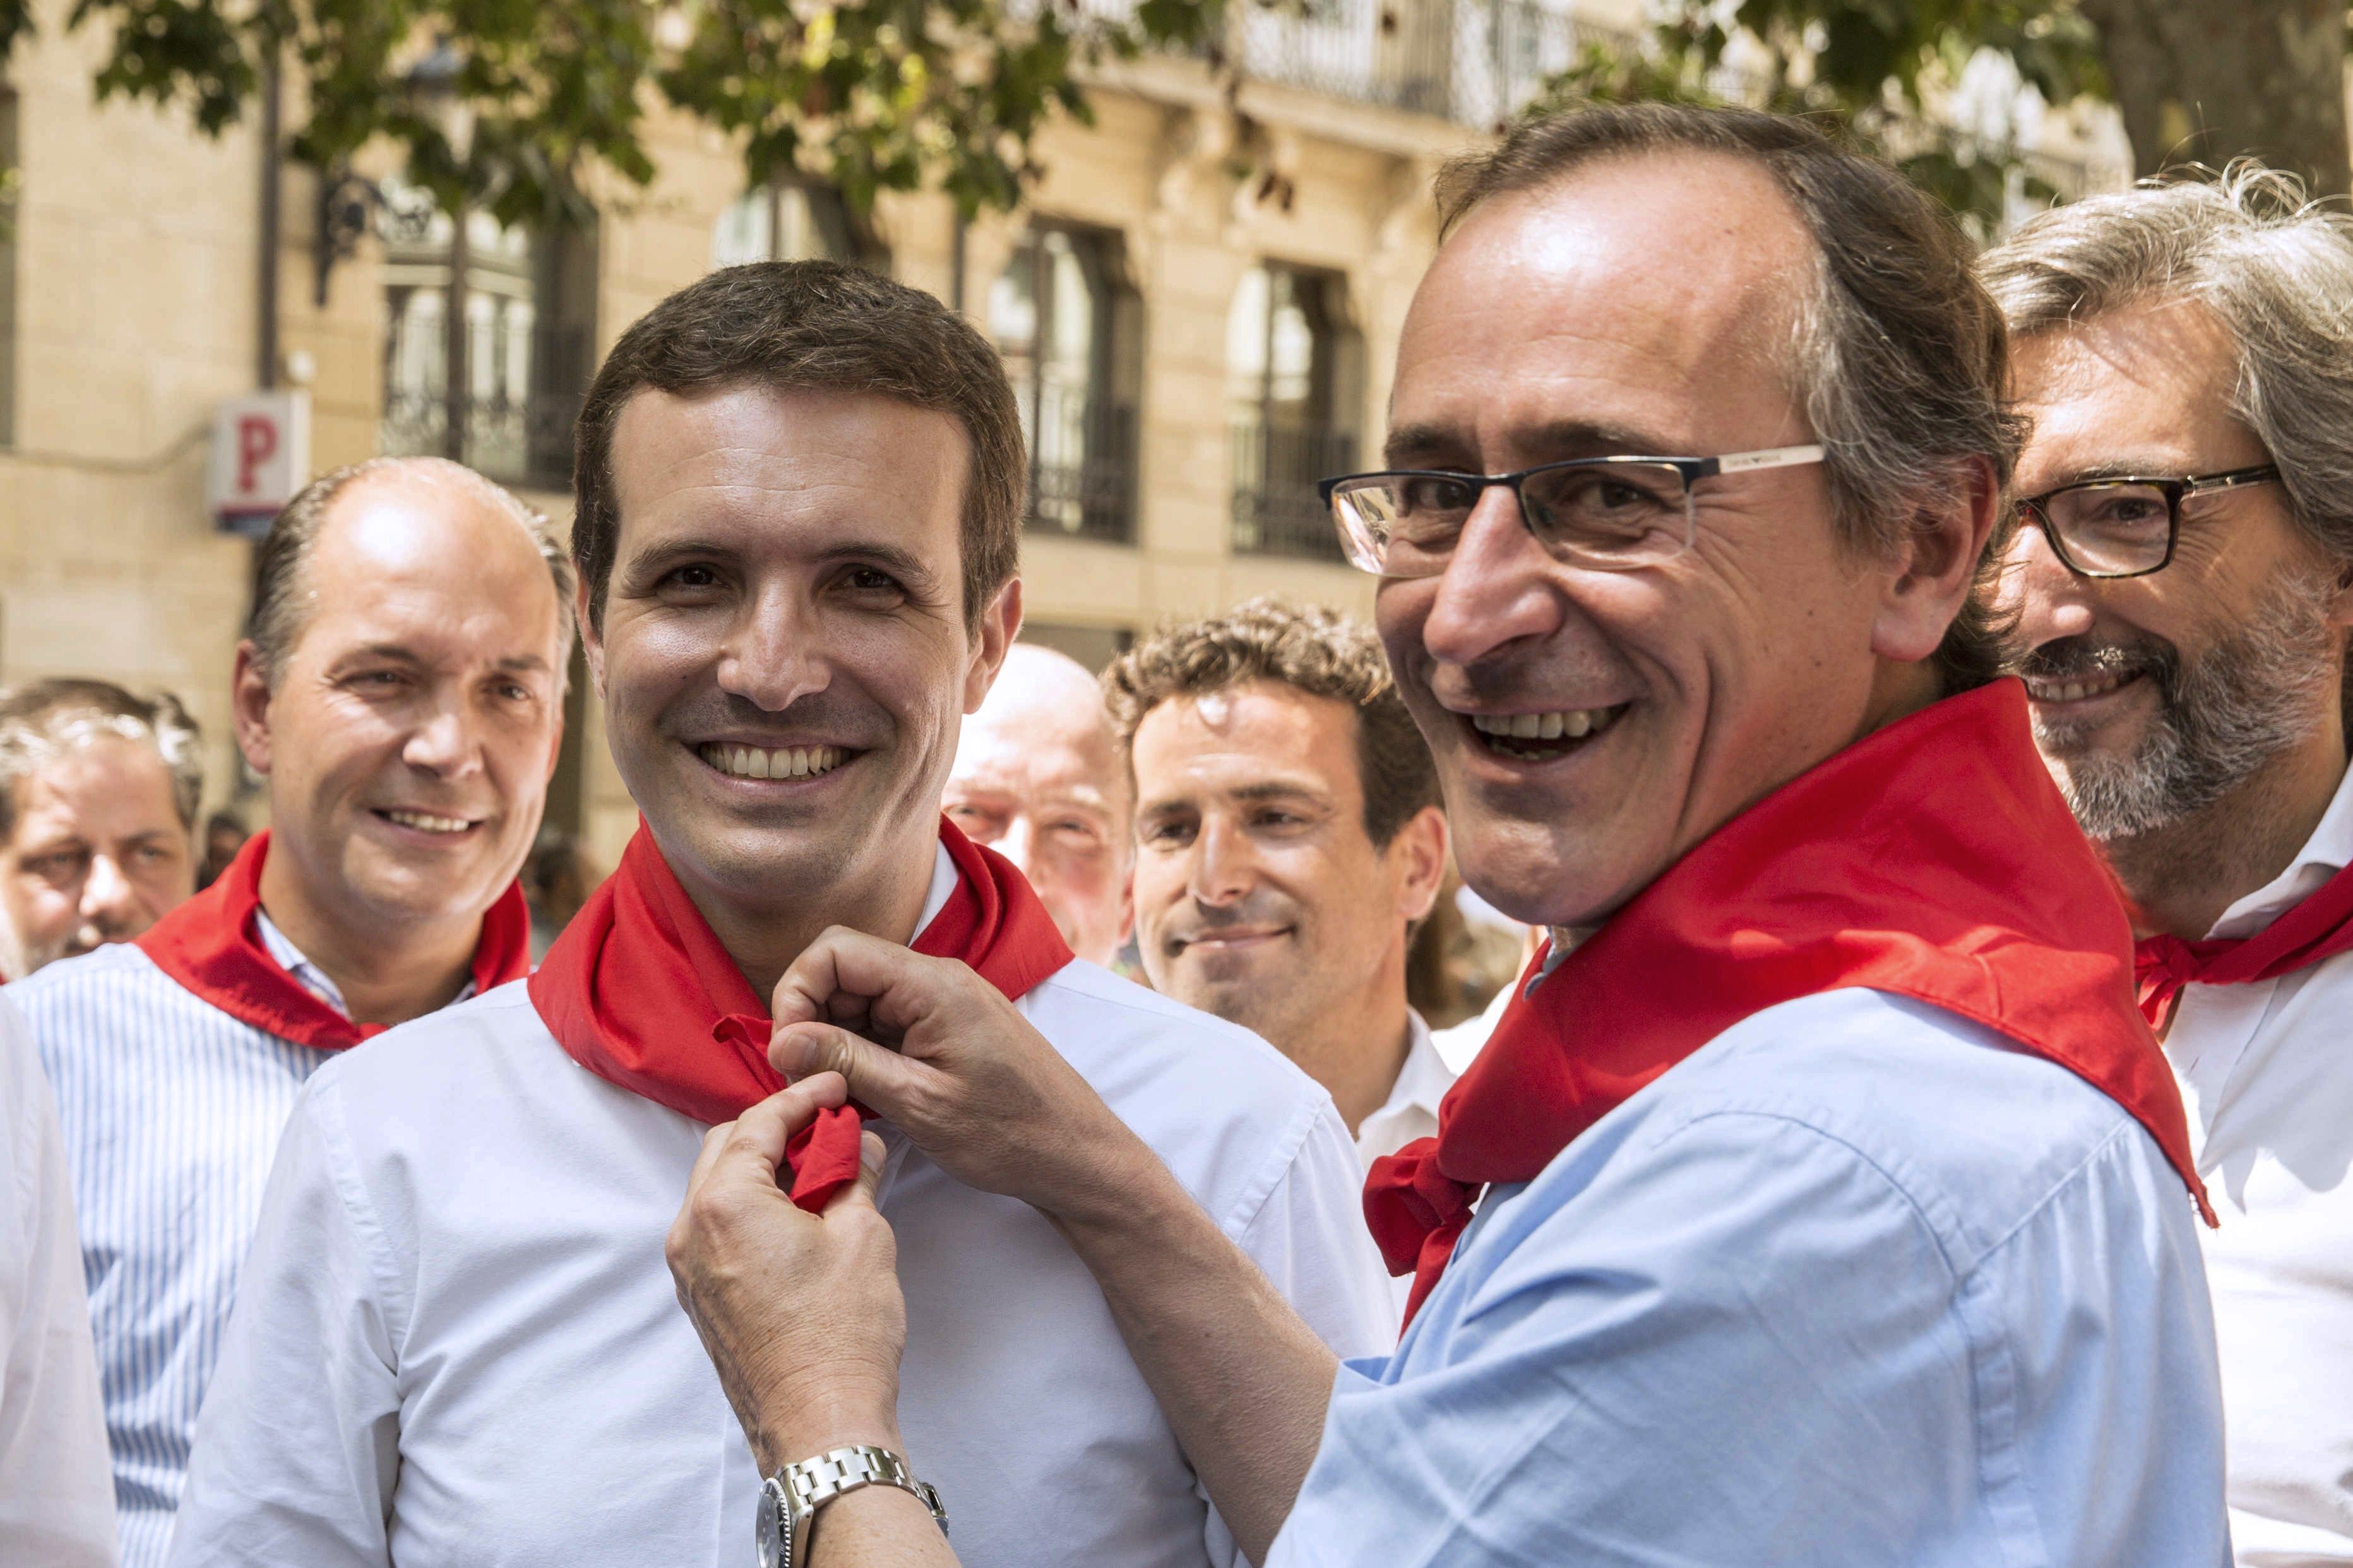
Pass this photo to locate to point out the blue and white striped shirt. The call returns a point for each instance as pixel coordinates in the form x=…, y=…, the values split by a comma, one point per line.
x=172, y=1112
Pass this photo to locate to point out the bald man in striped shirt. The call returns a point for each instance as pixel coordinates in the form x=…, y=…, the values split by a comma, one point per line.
x=401, y=688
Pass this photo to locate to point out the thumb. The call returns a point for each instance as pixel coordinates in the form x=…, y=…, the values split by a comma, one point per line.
x=876, y=1077
x=861, y=1193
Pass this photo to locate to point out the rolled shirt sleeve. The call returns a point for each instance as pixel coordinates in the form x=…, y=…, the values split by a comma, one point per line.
x=297, y=1448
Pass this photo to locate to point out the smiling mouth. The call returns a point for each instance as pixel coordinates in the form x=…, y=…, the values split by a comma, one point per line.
x=2081, y=687
x=1540, y=737
x=427, y=822
x=783, y=763
x=1229, y=939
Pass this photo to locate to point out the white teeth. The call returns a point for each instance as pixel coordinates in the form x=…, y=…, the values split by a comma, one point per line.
x=426, y=824
x=1573, y=724
x=2077, y=690
x=789, y=762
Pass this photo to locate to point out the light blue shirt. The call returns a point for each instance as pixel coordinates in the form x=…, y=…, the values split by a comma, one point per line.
x=1855, y=1284
x=171, y=1111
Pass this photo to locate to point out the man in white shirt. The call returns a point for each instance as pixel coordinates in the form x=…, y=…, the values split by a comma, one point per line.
x=1833, y=1202
x=1287, y=842
x=2186, y=357
x=401, y=688
x=456, y=1343
x=57, y=1510
x=1037, y=779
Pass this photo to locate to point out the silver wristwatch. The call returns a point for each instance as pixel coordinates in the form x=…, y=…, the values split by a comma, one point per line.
x=789, y=1498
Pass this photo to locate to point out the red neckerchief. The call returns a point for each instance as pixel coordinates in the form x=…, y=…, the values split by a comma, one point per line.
x=640, y=992
x=1934, y=859
x=2320, y=927
x=210, y=945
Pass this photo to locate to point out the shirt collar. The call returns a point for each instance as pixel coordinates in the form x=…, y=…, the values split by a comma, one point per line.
x=1422, y=1081
x=308, y=975
x=2329, y=851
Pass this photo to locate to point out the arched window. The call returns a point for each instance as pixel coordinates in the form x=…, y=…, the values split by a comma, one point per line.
x=1292, y=369
x=519, y=344
x=1063, y=319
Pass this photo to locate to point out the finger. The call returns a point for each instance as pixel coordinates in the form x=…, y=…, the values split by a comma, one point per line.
x=876, y=1076
x=877, y=979
x=864, y=1191
x=755, y=1142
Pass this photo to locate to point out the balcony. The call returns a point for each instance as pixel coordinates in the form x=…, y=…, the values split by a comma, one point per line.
x=1082, y=471
x=1476, y=62
x=1276, y=510
x=525, y=442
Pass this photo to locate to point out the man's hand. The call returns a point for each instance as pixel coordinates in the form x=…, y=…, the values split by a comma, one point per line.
x=964, y=1076
x=800, y=1313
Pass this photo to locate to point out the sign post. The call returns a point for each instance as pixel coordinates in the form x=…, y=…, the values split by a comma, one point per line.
x=261, y=456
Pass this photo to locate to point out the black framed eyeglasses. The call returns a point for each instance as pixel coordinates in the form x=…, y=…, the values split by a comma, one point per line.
x=1614, y=514
x=2127, y=526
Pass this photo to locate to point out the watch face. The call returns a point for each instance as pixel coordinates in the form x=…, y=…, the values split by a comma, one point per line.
x=775, y=1531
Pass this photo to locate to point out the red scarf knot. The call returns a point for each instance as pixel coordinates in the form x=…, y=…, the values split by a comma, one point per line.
x=211, y=946
x=1417, y=1213
x=1934, y=859
x=640, y=992
x=2319, y=928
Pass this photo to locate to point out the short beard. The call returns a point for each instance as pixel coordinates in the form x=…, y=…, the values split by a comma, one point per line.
x=2221, y=715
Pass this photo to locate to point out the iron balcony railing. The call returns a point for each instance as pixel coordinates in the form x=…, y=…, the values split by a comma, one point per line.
x=1276, y=469
x=1082, y=471
x=522, y=440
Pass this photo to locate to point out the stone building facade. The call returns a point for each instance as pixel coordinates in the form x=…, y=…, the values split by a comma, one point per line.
x=1199, y=303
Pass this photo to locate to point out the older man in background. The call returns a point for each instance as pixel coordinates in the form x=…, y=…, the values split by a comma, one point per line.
x=1288, y=842
x=2186, y=352
x=400, y=686
x=98, y=798
x=1037, y=779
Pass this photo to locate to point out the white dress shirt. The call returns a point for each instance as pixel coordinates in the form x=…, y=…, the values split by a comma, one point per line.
x=2266, y=1072
x=1857, y=1283
x=1411, y=1110
x=457, y=1342
x=57, y=1510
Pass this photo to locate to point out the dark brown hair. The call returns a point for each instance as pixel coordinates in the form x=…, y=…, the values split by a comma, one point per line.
x=795, y=326
x=1899, y=353
x=1321, y=652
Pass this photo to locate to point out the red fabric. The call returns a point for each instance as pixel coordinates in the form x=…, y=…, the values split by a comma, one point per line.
x=640, y=992
x=1934, y=859
x=210, y=945
x=2320, y=927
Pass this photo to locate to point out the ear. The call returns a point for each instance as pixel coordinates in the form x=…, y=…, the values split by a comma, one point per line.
x=1936, y=565
x=592, y=640
x=999, y=623
x=1127, y=907
x=1418, y=855
x=249, y=696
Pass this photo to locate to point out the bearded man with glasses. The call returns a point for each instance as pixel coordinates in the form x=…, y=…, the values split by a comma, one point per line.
x=1822, y=1197
x=2186, y=352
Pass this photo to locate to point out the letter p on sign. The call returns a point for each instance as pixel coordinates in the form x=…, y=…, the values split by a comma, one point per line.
x=260, y=457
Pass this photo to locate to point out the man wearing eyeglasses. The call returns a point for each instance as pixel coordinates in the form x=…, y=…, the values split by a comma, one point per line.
x=1833, y=1202
x=2180, y=584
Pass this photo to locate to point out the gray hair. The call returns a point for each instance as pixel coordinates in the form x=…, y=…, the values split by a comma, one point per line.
x=2276, y=269
x=280, y=598
x=1898, y=353
x=45, y=720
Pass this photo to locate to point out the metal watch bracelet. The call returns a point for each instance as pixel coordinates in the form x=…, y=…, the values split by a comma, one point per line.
x=789, y=1498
